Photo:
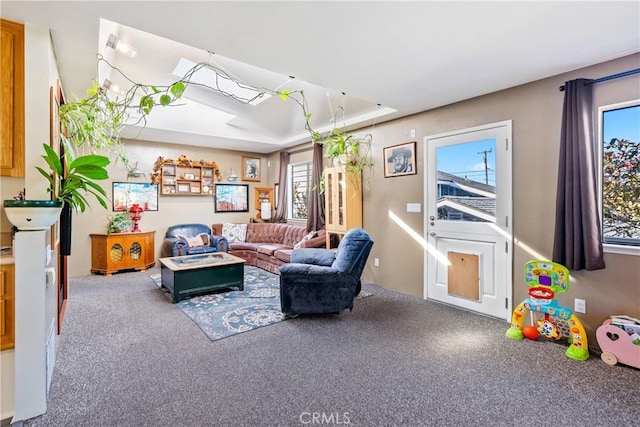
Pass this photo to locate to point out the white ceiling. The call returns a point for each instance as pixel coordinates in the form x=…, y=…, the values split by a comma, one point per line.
x=406, y=56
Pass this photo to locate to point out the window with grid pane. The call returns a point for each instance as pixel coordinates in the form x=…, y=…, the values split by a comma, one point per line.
x=299, y=186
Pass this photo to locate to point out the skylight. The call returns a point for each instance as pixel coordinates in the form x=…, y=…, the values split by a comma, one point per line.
x=226, y=85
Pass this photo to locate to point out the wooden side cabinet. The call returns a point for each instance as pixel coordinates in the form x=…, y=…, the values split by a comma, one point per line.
x=12, y=95
x=7, y=306
x=343, y=201
x=111, y=253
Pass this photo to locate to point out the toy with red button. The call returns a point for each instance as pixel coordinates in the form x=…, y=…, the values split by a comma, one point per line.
x=546, y=278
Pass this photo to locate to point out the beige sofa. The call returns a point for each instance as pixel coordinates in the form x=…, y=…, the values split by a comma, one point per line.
x=269, y=245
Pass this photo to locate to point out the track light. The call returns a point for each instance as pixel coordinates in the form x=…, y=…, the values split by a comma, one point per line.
x=107, y=84
x=115, y=43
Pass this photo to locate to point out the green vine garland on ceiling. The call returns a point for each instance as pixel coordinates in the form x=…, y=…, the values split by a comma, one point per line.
x=96, y=121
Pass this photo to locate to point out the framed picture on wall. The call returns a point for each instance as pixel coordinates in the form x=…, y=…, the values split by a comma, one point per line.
x=126, y=194
x=251, y=168
x=232, y=198
x=400, y=159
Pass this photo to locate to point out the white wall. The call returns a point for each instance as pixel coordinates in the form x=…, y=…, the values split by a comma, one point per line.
x=172, y=209
x=41, y=72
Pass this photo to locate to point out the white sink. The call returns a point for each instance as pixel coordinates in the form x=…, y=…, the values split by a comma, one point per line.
x=32, y=214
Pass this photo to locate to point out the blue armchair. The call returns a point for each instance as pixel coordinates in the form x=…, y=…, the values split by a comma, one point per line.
x=324, y=281
x=179, y=240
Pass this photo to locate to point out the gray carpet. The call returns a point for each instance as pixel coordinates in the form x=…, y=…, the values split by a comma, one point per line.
x=128, y=357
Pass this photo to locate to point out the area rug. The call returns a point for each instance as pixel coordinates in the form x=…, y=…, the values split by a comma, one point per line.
x=220, y=315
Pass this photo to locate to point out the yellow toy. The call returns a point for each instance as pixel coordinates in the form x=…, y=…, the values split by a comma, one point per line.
x=545, y=279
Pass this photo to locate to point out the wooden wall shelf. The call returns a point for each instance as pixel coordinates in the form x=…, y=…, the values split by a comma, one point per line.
x=194, y=180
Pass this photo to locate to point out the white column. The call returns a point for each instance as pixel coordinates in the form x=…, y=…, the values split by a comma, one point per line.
x=35, y=316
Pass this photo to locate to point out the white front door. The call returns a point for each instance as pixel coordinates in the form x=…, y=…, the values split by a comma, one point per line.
x=468, y=256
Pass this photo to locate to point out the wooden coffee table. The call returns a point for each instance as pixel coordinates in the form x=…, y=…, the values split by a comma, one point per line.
x=189, y=275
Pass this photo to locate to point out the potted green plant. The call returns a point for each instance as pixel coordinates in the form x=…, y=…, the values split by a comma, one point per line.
x=67, y=190
x=119, y=222
x=71, y=188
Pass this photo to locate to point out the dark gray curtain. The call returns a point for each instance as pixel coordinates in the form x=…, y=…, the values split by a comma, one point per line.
x=578, y=235
x=315, y=207
x=281, y=211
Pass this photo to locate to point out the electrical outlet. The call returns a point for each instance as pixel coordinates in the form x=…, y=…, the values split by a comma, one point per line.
x=580, y=306
x=376, y=262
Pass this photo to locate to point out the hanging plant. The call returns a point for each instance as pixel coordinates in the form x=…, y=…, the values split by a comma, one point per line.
x=351, y=152
x=96, y=121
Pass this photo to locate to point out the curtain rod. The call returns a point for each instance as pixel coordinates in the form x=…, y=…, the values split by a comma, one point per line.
x=611, y=77
x=301, y=150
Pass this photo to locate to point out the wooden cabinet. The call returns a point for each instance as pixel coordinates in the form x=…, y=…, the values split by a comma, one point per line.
x=194, y=180
x=343, y=201
x=262, y=195
x=111, y=253
x=12, y=96
x=7, y=306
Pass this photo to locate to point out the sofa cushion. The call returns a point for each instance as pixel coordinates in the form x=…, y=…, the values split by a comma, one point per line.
x=283, y=255
x=238, y=246
x=314, y=256
x=234, y=232
x=270, y=248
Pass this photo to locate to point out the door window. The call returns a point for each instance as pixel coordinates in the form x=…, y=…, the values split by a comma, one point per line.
x=466, y=181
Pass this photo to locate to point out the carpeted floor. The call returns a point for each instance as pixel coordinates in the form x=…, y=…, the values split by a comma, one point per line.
x=223, y=314
x=128, y=357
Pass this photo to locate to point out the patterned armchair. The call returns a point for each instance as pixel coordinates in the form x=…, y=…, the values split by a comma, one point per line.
x=323, y=281
x=191, y=239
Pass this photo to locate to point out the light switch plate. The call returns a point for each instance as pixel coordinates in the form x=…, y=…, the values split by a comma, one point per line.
x=414, y=207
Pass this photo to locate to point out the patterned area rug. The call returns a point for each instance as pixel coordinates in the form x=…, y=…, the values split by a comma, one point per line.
x=221, y=315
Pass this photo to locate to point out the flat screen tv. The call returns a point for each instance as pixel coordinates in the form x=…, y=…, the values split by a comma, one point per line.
x=126, y=194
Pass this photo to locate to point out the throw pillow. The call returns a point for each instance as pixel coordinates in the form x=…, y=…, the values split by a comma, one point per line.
x=234, y=232
x=200, y=240
x=306, y=237
x=205, y=239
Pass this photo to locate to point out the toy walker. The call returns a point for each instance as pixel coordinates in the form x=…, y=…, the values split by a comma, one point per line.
x=617, y=346
x=545, y=279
